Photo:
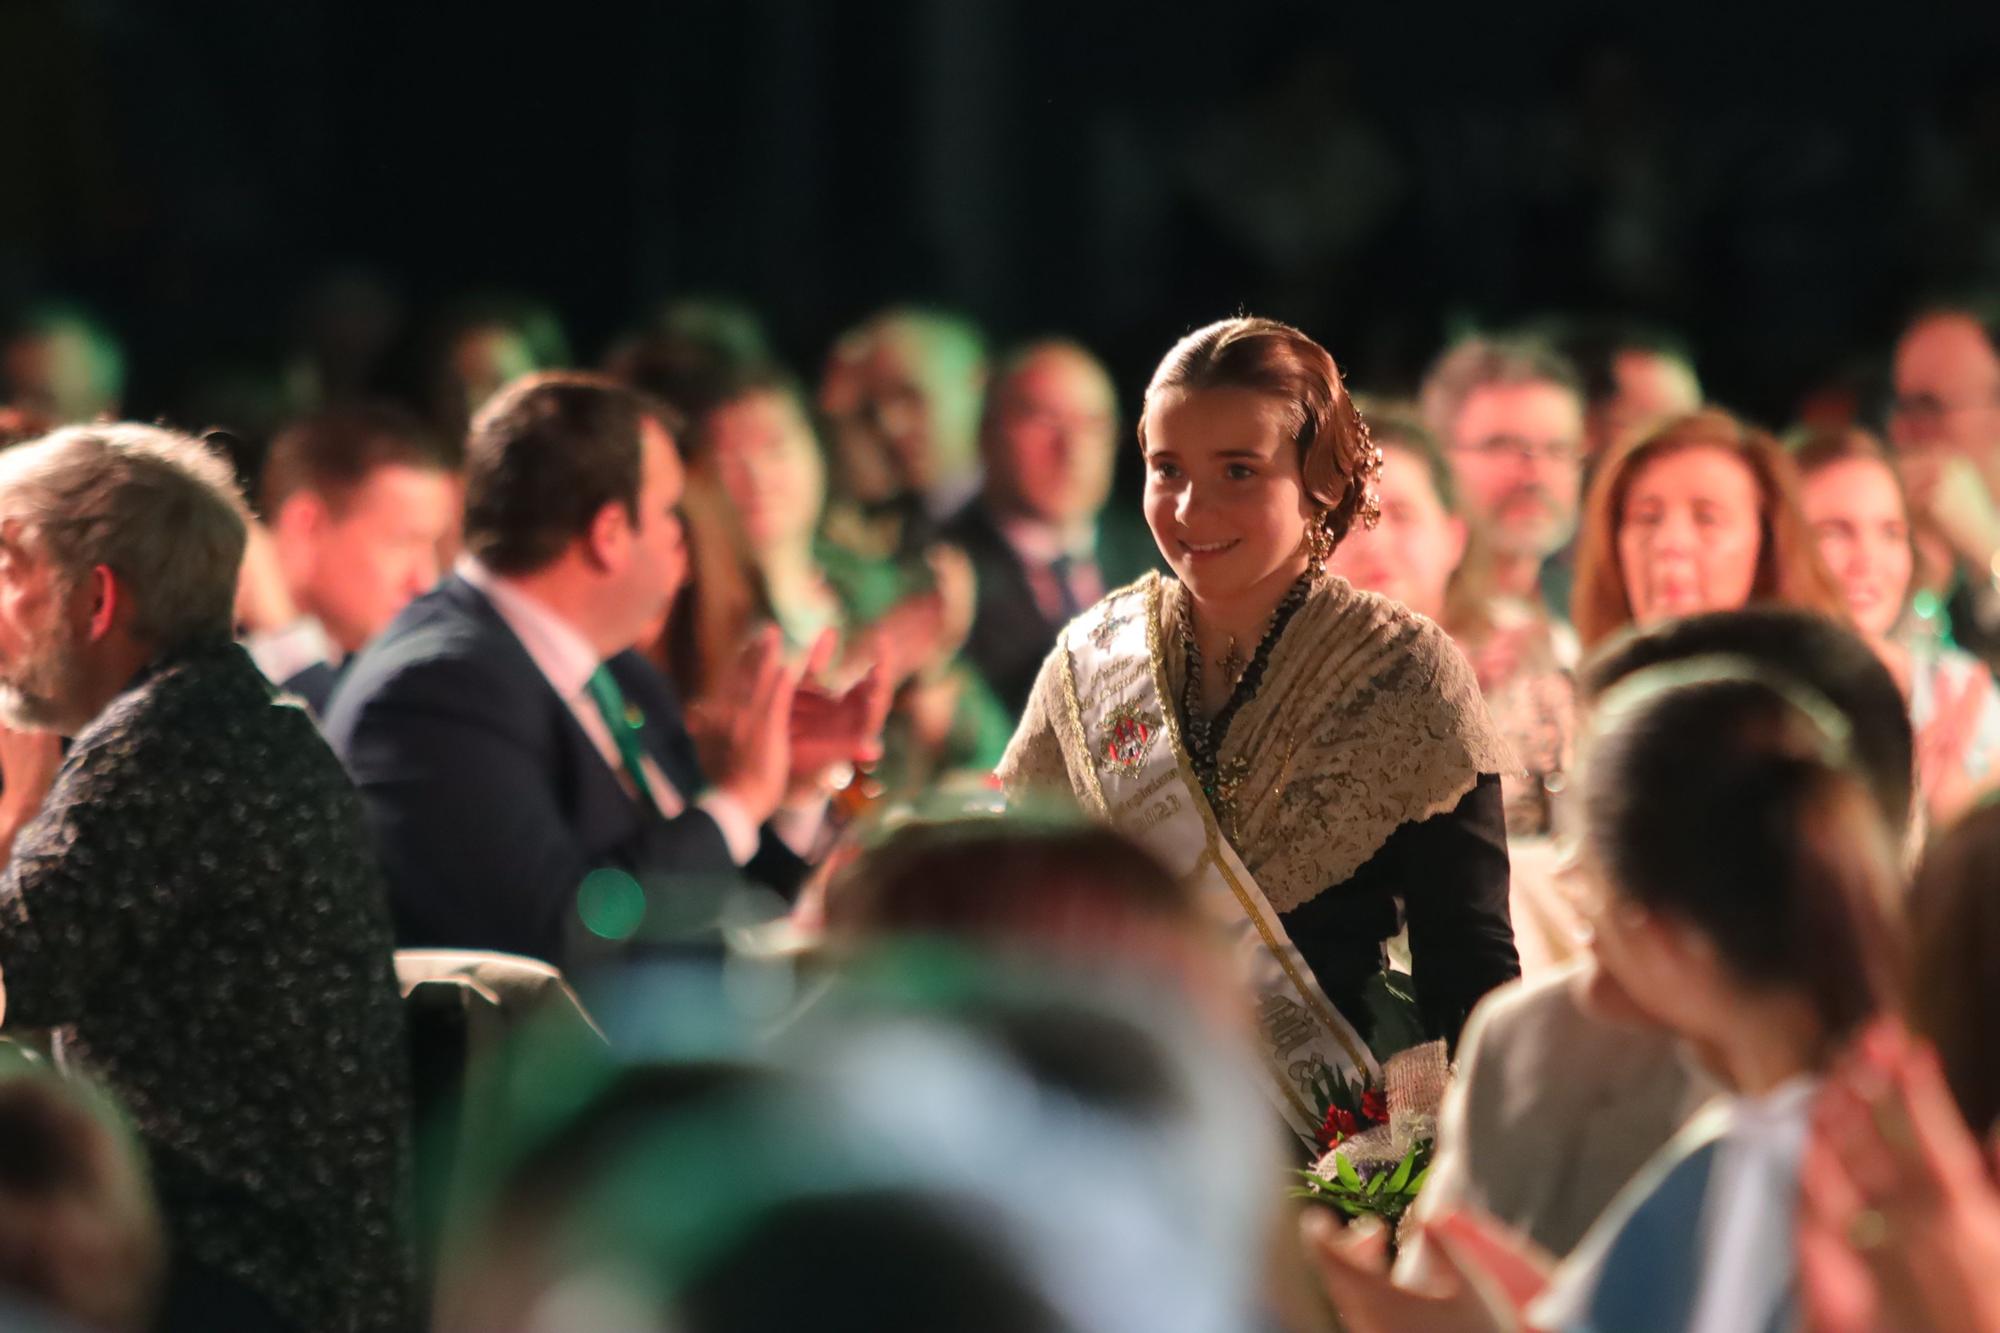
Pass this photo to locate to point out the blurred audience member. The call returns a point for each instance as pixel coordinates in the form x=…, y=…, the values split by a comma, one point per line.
x=1945, y=425
x=357, y=501
x=1699, y=514
x=1078, y=892
x=187, y=903
x=1425, y=555
x=686, y=353
x=861, y=513
x=756, y=557
x=1511, y=414
x=345, y=326
x=1901, y=1226
x=1899, y=1216
x=1765, y=943
x=507, y=740
x=1041, y=544
x=1566, y=1062
x=940, y=1141
x=1955, y=920
x=1634, y=377
x=79, y=1230
x=1851, y=495
x=902, y=395
x=58, y=365
x=482, y=343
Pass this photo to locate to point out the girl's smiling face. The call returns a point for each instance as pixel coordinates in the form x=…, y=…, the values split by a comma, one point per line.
x=1225, y=496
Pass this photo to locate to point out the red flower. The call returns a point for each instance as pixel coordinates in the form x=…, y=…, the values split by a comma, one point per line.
x=1339, y=1124
x=1374, y=1107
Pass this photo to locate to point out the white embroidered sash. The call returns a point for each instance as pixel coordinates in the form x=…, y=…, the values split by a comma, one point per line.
x=1140, y=782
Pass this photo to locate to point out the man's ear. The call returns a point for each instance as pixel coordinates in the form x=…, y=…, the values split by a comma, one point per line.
x=104, y=593
x=295, y=531
x=302, y=515
x=608, y=539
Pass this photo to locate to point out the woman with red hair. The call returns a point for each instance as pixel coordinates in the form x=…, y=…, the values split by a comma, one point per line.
x=1699, y=514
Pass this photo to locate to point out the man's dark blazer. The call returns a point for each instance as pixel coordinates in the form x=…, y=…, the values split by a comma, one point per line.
x=1010, y=634
x=487, y=801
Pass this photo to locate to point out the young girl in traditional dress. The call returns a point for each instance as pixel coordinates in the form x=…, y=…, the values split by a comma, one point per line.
x=1315, y=758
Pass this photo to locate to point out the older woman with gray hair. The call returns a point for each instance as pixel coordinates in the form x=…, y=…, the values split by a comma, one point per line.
x=188, y=903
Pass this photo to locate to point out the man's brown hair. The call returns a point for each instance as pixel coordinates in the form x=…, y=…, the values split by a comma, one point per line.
x=545, y=455
x=332, y=453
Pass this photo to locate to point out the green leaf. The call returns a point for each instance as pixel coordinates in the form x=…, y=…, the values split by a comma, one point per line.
x=1399, y=1179
x=1346, y=1172
x=1417, y=1182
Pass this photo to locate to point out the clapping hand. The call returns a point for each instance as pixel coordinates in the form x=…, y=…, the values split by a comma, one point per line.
x=1951, y=499
x=1899, y=1217
x=828, y=728
x=745, y=735
x=1944, y=742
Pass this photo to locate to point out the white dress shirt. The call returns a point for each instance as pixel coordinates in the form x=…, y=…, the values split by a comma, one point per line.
x=282, y=653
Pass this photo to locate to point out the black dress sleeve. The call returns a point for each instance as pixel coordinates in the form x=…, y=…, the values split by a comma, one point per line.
x=1451, y=873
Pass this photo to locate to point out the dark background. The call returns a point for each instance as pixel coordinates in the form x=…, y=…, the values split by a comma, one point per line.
x=1780, y=187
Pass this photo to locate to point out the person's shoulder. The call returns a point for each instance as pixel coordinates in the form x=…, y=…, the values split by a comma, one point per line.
x=971, y=519
x=447, y=648
x=1416, y=637
x=1527, y=1008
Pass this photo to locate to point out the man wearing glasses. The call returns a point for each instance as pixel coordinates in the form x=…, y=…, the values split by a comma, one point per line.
x=1510, y=413
x=1945, y=424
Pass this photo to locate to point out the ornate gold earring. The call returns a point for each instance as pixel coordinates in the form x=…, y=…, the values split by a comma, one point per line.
x=1369, y=478
x=1319, y=538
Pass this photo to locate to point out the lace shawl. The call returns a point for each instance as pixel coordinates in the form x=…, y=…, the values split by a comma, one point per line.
x=1367, y=718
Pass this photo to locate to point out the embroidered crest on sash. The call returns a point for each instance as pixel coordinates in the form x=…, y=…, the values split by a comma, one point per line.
x=1128, y=737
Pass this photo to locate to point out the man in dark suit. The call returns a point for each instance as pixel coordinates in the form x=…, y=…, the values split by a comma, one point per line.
x=357, y=501
x=513, y=750
x=1041, y=547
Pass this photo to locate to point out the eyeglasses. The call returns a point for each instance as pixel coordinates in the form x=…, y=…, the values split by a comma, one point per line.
x=1933, y=407
x=1497, y=447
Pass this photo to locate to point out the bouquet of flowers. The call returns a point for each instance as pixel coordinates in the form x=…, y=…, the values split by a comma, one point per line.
x=1375, y=1139
x=1375, y=1135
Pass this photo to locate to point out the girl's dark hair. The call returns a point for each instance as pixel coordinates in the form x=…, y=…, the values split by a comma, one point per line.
x=1955, y=982
x=1723, y=798
x=1335, y=453
x=1828, y=659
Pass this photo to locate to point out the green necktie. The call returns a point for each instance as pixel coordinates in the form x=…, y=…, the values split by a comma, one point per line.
x=624, y=726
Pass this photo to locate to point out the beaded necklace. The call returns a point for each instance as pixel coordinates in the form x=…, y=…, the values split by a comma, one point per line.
x=1204, y=735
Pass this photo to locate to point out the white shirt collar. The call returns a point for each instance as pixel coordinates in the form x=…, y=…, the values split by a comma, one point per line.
x=558, y=647
x=283, y=653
